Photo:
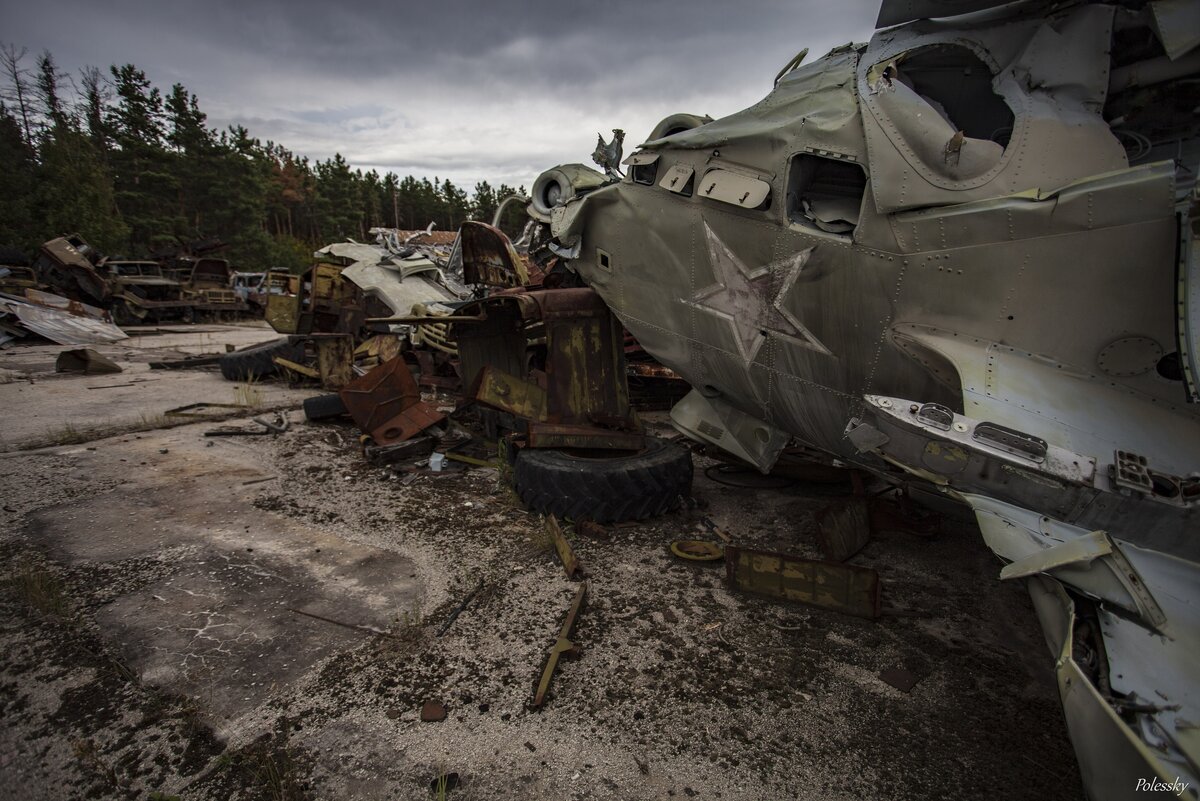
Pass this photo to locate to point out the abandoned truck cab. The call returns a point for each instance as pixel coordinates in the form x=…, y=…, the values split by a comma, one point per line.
x=962, y=254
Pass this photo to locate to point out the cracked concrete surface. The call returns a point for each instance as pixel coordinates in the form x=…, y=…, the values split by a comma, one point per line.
x=176, y=667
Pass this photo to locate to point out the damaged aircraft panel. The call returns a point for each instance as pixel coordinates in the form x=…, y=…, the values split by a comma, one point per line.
x=964, y=253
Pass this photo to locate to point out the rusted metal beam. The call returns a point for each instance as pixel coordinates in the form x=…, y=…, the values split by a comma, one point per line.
x=563, y=648
x=550, y=435
x=570, y=563
x=849, y=589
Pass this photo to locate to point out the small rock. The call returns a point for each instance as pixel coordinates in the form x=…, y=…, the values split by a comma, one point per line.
x=530, y=746
x=432, y=712
x=163, y=450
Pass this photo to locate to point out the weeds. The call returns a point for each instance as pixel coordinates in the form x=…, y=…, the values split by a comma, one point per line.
x=152, y=421
x=86, y=753
x=40, y=589
x=67, y=434
x=274, y=770
x=410, y=628
x=248, y=393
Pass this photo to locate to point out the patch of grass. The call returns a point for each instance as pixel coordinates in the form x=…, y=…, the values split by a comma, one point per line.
x=248, y=393
x=86, y=752
x=506, y=483
x=275, y=773
x=152, y=421
x=39, y=589
x=67, y=434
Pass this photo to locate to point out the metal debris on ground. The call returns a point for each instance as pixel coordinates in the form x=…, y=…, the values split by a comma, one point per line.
x=188, y=362
x=563, y=648
x=352, y=626
x=386, y=404
x=459, y=609
x=86, y=361
x=201, y=410
x=58, y=319
x=708, y=523
x=849, y=589
x=697, y=550
x=413, y=448
x=280, y=425
x=570, y=562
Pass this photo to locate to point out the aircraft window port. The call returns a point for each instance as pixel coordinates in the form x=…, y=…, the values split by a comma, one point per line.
x=644, y=173
x=825, y=193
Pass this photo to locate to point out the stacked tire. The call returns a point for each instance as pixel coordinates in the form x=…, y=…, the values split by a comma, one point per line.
x=609, y=489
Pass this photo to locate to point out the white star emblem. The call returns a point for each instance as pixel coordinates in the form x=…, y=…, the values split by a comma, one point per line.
x=741, y=296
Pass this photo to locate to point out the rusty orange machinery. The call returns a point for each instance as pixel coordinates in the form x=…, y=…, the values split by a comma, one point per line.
x=555, y=360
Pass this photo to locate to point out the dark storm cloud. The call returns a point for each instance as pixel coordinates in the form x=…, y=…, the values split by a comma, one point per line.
x=463, y=90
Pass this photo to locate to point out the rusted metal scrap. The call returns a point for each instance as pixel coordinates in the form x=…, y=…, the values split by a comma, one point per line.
x=458, y=610
x=849, y=589
x=570, y=562
x=581, y=398
x=387, y=405
x=86, y=361
x=563, y=648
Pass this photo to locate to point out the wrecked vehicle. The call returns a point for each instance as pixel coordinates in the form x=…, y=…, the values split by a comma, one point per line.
x=963, y=255
x=206, y=281
x=138, y=291
x=133, y=292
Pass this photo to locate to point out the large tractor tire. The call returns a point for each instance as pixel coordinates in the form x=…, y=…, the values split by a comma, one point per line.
x=607, y=489
x=258, y=361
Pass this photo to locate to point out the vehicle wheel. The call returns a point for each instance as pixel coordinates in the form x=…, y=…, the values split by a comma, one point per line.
x=188, y=315
x=324, y=407
x=258, y=361
x=608, y=489
x=123, y=314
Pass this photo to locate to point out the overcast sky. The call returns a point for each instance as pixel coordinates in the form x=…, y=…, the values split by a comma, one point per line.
x=460, y=90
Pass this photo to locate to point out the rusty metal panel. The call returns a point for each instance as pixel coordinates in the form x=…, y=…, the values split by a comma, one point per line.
x=842, y=588
x=407, y=424
x=506, y=392
x=498, y=340
x=283, y=313
x=335, y=357
x=489, y=257
x=585, y=364
x=61, y=326
x=377, y=397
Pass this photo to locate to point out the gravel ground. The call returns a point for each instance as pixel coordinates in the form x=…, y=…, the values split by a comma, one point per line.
x=683, y=688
